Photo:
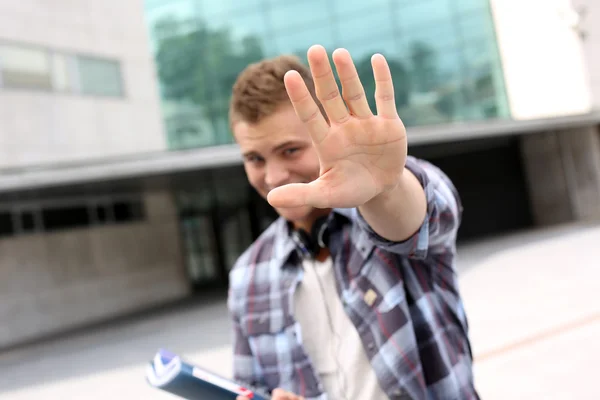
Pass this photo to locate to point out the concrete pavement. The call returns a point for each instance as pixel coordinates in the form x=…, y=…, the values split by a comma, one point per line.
x=532, y=299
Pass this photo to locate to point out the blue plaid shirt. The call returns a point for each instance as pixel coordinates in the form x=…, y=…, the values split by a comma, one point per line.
x=414, y=333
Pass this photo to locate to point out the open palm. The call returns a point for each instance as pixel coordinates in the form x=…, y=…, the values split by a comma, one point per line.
x=361, y=154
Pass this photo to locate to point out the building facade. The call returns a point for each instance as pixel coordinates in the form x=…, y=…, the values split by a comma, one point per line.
x=443, y=55
x=77, y=87
x=121, y=187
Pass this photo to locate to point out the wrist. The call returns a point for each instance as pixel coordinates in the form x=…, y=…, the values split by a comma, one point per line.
x=391, y=191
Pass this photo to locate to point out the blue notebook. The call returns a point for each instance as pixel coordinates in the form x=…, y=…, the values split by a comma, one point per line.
x=170, y=373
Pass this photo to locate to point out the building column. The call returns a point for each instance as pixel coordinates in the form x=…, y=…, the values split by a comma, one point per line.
x=563, y=173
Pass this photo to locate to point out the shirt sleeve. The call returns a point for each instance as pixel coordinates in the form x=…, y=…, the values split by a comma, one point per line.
x=246, y=370
x=438, y=232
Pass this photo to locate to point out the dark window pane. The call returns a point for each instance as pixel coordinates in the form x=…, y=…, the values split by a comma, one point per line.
x=65, y=218
x=27, y=221
x=126, y=211
x=101, y=214
x=6, y=224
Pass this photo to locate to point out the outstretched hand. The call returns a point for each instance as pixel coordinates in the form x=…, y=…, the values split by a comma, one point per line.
x=361, y=155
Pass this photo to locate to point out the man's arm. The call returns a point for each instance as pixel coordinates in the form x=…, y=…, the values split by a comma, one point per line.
x=398, y=213
x=421, y=215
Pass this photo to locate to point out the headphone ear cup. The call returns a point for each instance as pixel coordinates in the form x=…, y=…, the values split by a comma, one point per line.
x=320, y=233
x=309, y=245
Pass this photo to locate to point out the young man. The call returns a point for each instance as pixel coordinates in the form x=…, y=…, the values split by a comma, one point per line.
x=351, y=294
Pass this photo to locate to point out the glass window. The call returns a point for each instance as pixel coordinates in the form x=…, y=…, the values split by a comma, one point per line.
x=99, y=77
x=484, y=72
x=176, y=9
x=232, y=44
x=342, y=7
x=434, y=85
x=187, y=125
x=28, y=221
x=364, y=49
x=285, y=16
x=240, y=26
x=479, y=54
x=182, y=61
x=361, y=54
x=23, y=67
x=476, y=25
x=68, y=217
x=219, y=119
x=215, y=8
x=359, y=26
x=437, y=36
x=413, y=13
x=442, y=54
x=6, y=224
x=469, y=5
x=299, y=40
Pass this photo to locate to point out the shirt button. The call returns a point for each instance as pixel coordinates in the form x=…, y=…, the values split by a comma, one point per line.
x=370, y=345
x=397, y=392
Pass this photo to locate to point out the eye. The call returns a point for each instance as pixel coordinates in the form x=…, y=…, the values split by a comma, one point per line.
x=290, y=151
x=253, y=159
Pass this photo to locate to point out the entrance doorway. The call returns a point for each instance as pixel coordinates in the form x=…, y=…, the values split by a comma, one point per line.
x=218, y=223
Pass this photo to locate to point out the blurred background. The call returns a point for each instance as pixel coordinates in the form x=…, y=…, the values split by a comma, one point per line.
x=123, y=201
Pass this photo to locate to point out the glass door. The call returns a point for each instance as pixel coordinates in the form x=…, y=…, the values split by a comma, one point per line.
x=200, y=248
x=199, y=236
x=235, y=235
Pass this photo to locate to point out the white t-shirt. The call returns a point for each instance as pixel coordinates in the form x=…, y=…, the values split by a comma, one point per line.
x=330, y=339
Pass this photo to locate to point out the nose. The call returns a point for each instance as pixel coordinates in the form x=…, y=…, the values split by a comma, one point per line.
x=276, y=175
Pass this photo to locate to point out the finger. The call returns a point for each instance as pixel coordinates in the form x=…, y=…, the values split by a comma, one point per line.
x=352, y=90
x=326, y=87
x=384, y=88
x=305, y=106
x=298, y=195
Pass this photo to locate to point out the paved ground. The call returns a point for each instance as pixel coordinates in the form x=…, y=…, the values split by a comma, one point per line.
x=533, y=304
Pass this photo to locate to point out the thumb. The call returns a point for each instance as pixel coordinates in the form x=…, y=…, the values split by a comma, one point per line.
x=299, y=194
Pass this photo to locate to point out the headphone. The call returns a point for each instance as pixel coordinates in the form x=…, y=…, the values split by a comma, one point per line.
x=308, y=245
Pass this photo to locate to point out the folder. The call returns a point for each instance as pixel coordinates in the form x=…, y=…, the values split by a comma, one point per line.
x=168, y=372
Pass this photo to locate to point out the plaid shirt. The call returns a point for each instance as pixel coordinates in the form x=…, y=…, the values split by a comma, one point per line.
x=414, y=333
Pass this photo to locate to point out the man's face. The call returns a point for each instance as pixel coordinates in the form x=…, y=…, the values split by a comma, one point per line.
x=277, y=151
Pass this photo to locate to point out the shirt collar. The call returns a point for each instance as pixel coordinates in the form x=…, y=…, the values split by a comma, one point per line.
x=284, y=246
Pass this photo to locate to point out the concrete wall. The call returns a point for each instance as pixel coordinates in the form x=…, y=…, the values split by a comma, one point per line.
x=38, y=127
x=543, y=60
x=53, y=282
x=563, y=173
x=588, y=23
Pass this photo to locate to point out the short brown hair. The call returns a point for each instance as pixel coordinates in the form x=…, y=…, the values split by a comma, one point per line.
x=259, y=89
